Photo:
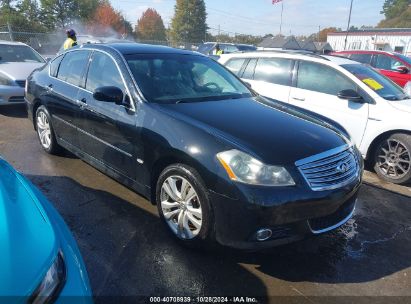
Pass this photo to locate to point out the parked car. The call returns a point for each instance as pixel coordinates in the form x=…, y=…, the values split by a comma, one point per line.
x=40, y=261
x=17, y=61
x=180, y=129
x=208, y=48
x=395, y=66
x=374, y=110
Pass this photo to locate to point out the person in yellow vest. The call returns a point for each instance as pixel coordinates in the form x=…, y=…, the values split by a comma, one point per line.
x=71, y=39
x=218, y=51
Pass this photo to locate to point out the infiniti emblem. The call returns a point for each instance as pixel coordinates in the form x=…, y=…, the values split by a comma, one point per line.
x=342, y=167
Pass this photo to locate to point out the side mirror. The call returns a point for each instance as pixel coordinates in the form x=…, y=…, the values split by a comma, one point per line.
x=109, y=94
x=402, y=69
x=350, y=95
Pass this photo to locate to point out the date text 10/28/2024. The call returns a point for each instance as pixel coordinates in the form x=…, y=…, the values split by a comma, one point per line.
x=203, y=299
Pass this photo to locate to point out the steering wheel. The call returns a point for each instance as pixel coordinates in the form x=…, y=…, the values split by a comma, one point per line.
x=213, y=84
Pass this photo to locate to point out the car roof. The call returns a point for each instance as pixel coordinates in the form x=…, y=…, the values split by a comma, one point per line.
x=293, y=55
x=6, y=42
x=138, y=48
x=365, y=52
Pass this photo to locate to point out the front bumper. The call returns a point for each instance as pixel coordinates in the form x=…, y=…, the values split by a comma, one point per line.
x=290, y=213
x=11, y=95
x=77, y=284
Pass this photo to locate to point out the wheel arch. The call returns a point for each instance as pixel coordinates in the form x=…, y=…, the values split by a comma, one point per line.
x=380, y=137
x=36, y=104
x=177, y=157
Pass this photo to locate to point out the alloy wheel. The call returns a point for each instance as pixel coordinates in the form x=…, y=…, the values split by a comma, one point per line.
x=181, y=207
x=394, y=159
x=43, y=129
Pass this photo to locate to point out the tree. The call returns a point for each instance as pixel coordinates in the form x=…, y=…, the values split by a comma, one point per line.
x=322, y=35
x=30, y=12
x=107, y=21
x=150, y=26
x=58, y=13
x=189, y=21
x=63, y=13
x=397, y=14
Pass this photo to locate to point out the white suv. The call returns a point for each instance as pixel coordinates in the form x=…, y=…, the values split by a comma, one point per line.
x=374, y=110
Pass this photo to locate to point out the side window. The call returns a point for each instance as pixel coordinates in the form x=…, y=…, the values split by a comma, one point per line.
x=54, y=66
x=274, y=70
x=72, y=67
x=235, y=65
x=103, y=72
x=323, y=79
x=388, y=63
x=249, y=70
x=363, y=58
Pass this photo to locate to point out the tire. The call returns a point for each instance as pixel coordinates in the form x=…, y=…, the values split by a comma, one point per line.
x=45, y=131
x=188, y=217
x=392, y=159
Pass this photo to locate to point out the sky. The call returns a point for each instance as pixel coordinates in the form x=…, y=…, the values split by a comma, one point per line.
x=259, y=17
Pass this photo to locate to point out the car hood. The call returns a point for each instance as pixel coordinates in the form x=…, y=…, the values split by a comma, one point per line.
x=27, y=239
x=402, y=105
x=268, y=130
x=19, y=70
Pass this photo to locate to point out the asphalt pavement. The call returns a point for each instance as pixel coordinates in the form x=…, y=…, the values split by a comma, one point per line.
x=128, y=252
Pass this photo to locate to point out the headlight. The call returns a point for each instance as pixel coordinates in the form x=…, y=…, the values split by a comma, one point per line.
x=243, y=168
x=52, y=283
x=6, y=81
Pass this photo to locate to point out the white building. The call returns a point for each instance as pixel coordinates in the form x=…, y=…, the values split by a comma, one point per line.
x=392, y=40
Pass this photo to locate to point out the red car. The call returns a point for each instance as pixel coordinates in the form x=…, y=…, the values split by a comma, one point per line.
x=395, y=66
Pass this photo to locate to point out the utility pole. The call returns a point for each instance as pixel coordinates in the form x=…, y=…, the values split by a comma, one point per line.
x=319, y=30
x=281, y=22
x=348, y=26
x=10, y=31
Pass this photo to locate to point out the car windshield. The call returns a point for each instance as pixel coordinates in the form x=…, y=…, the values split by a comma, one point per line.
x=18, y=53
x=175, y=78
x=205, y=48
x=404, y=58
x=377, y=82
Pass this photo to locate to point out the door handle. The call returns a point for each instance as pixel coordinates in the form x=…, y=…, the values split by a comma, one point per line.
x=50, y=87
x=299, y=98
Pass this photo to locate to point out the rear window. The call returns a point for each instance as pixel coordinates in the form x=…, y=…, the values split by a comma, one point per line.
x=18, y=53
x=72, y=67
x=363, y=58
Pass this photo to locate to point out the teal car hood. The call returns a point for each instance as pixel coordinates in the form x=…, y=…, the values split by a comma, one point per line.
x=27, y=239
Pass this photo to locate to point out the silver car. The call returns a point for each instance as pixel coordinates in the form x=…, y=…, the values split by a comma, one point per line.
x=17, y=61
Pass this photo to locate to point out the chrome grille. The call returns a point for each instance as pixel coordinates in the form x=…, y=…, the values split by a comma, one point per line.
x=330, y=170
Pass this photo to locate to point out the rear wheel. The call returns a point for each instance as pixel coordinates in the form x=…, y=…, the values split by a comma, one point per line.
x=45, y=131
x=183, y=204
x=392, y=159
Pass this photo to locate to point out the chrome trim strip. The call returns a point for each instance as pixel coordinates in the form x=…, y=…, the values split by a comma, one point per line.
x=320, y=156
x=93, y=136
x=334, y=226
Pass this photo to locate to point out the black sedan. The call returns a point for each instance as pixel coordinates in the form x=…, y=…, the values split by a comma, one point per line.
x=221, y=163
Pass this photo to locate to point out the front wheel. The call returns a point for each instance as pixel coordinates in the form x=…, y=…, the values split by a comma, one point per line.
x=392, y=159
x=183, y=204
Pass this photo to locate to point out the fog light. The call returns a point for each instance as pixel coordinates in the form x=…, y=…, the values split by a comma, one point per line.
x=263, y=234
